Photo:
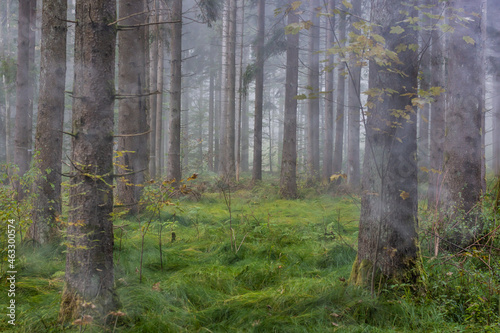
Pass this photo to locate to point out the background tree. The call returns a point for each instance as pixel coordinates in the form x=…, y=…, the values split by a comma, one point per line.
x=313, y=100
x=174, y=170
x=89, y=261
x=133, y=159
x=49, y=129
x=259, y=93
x=387, y=240
x=493, y=31
x=288, y=178
x=462, y=183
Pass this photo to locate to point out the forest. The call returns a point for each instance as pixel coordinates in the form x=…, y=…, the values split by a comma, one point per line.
x=249, y=166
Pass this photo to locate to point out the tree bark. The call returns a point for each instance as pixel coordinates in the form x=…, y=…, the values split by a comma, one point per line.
x=89, y=259
x=387, y=240
x=463, y=143
x=354, y=102
x=493, y=31
x=49, y=129
x=288, y=178
x=132, y=122
x=174, y=170
x=259, y=94
x=313, y=100
x=153, y=87
x=159, y=99
x=339, y=118
x=329, y=95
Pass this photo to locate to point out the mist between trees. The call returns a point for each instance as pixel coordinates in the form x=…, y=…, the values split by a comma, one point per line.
x=395, y=103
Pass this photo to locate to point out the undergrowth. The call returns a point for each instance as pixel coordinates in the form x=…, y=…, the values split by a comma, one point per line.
x=286, y=272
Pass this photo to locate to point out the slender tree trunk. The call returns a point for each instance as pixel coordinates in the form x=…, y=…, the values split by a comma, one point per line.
x=313, y=101
x=463, y=143
x=132, y=122
x=437, y=128
x=159, y=100
x=48, y=138
x=186, y=146
x=329, y=95
x=259, y=94
x=224, y=100
x=288, y=178
x=240, y=93
x=244, y=136
x=23, y=121
x=153, y=87
x=89, y=259
x=387, y=240
x=354, y=102
x=211, y=100
x=174, y=150
x=493, y=31
x=340, y=119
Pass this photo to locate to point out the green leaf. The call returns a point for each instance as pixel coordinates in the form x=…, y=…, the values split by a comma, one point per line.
x=397, y=30
x=469, y=40
x=301, y=97
x=347, y=4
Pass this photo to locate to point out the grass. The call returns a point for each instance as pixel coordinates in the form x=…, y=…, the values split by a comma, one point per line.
x=288, y=274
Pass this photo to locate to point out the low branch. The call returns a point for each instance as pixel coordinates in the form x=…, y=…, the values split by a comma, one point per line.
x=126, y=17
x=119, y=96
x=125, y=27
x=128, y=173
x=68, y=133
x=130, y=135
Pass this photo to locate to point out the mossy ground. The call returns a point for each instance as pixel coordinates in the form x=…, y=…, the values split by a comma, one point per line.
x=287, y=274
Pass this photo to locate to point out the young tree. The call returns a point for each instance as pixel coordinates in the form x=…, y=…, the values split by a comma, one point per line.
x=89, y=260
x=313, y=100
x=49, y=129
x=463, y=145
x=387, y=240
x=174, y=170
x=259, y=93
x=288, y=178
x=132, y=121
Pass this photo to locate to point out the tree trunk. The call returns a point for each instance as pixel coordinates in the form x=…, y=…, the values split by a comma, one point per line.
x=49, y=136
x=132, y=122
x=89, y=259
x=462, y=184
x=23, y=121
x=339, y=118
x=387, y=240
x=313, y=100
x=354, y=102
x=329, y=95
x=159, y=100
x=211, y=101
x=259, y=94
x=174, y=170
x=153, y=87
x=288, y=178
x=437, y=126
x=493, y=32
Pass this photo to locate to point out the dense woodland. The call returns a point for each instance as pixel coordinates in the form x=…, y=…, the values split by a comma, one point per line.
x=250, y=165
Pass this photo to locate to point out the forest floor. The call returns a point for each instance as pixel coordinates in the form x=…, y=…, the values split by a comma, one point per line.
x=283, y=268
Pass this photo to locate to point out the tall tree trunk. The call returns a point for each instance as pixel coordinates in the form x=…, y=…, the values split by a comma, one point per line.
x=159, y=100
x=229, y=171
x=288, y=178
x=259, y=93
x=244, y=136
x=313, y=101
x=339, y=118
x=329, y=95
x=493, y=31
x=240, y=92
x=211, y=101
x=89, y=259
x=462, y=184
x=437, y=127
x=224, y=100
x=132, y=122
x=153, y=85
x=354, y=102
x=23, y=97
x=387, y=240
x=48, y=138
x=174, y=170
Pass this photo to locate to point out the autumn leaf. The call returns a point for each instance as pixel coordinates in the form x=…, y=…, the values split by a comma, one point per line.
x=397, y=30
x=347, y=4
x=469, y=40
x=405, y=195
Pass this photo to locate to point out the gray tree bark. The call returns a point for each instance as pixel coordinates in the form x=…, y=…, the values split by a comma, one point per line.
x=49, y=135
x=89, y=259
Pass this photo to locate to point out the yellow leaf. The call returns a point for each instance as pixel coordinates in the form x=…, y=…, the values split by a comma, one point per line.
x=338, y=176
x=347, y=4
x=296, y=4
x=397, y=30
x=424, y=169
x=469, y=40
x=404, y=195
